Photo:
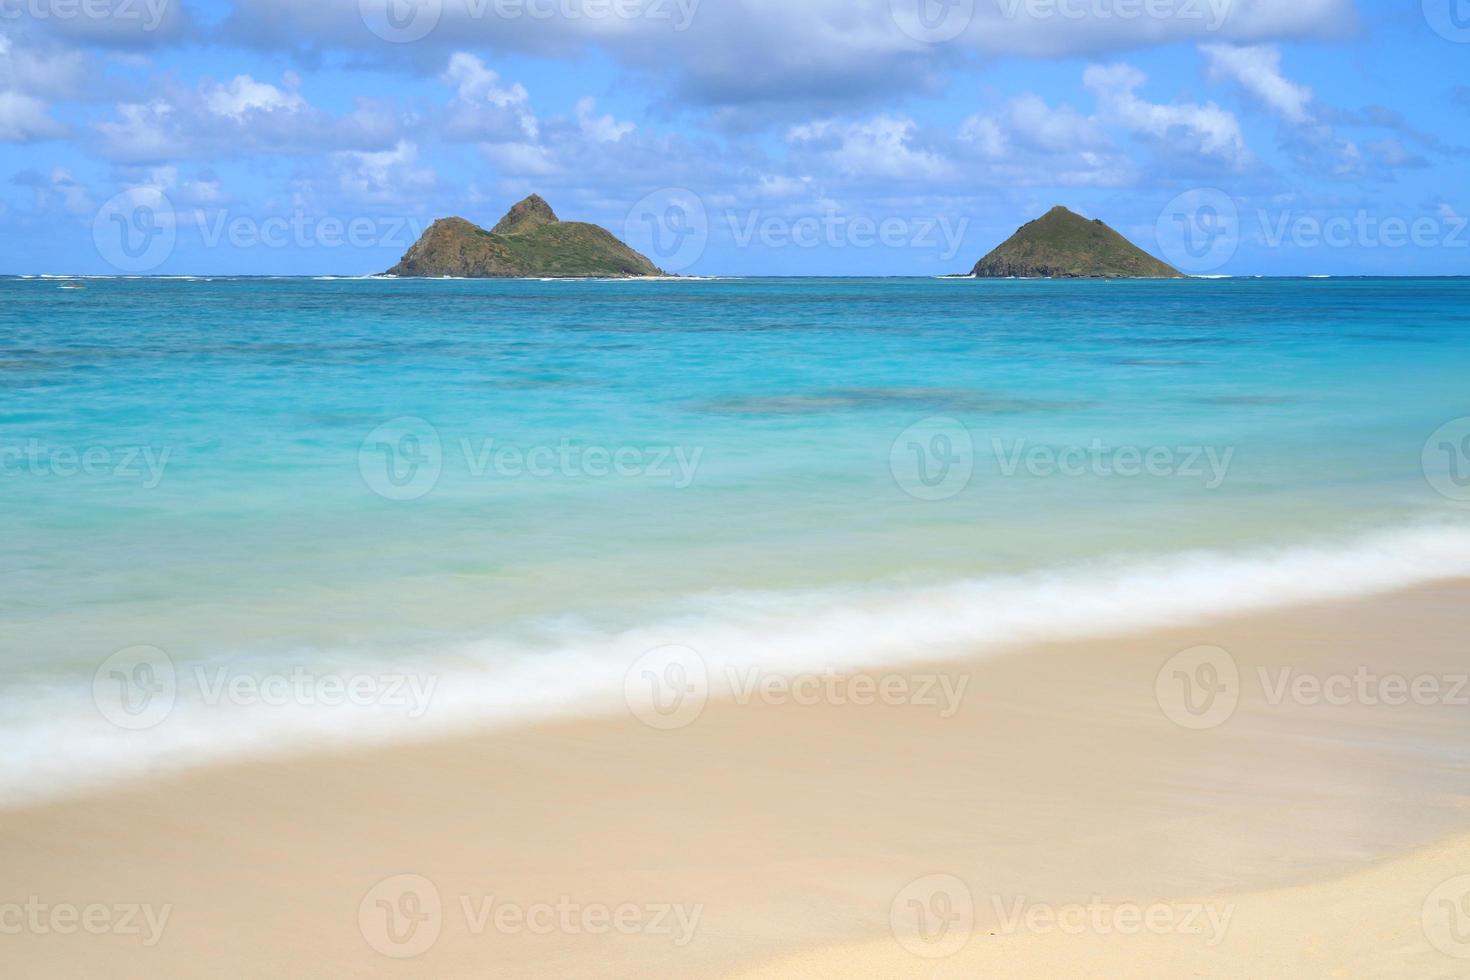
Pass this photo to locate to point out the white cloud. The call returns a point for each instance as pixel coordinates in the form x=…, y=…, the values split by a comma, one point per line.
x=1203, y=130
x=603, y=129
x=483, y=107
x=1029, y=142
x=768, y=60
x=25, y=118
x=985, y=133
x=242, y=117
x=384, y=176
x=45, y=71
x=521, y=159
x=882, y=146
x=1258, y=71
x=244, y=95
x=31, y=77
x=779, y=187
x=1314, y=143
x=1035, y=124
x=59, y=187
x=142, y=131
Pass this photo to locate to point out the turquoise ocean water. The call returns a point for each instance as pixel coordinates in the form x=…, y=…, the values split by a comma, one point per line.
x=516, y=487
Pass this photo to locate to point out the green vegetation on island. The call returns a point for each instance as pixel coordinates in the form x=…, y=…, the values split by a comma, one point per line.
x=529, y=241
x=1062, y=244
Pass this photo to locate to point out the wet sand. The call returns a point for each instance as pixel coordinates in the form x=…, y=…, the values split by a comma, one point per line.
x=830, y=839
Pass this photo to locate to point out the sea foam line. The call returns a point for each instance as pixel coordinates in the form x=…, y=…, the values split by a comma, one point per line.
x=61, y=743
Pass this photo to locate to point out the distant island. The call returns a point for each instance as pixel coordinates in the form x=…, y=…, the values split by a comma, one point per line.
x=1063, y=244
x=529, y=241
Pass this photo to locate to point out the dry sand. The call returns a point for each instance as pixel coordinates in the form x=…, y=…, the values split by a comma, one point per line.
x=825, y=840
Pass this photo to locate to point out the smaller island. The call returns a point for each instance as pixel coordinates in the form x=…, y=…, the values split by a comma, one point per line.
x=1062, y=244
x=529, y=242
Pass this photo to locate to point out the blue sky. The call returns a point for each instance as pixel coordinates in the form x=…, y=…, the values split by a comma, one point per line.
x=801, y=137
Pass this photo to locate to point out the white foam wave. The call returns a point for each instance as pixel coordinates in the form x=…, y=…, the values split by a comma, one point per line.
x=60, y=742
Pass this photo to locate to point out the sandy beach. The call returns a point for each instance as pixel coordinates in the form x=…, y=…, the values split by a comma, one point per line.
x=1068, y=810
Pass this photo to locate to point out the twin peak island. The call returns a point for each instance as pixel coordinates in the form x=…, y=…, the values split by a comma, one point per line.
x=531, y=242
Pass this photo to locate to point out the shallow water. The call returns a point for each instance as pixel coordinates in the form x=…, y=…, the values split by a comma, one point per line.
x=517, y=486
